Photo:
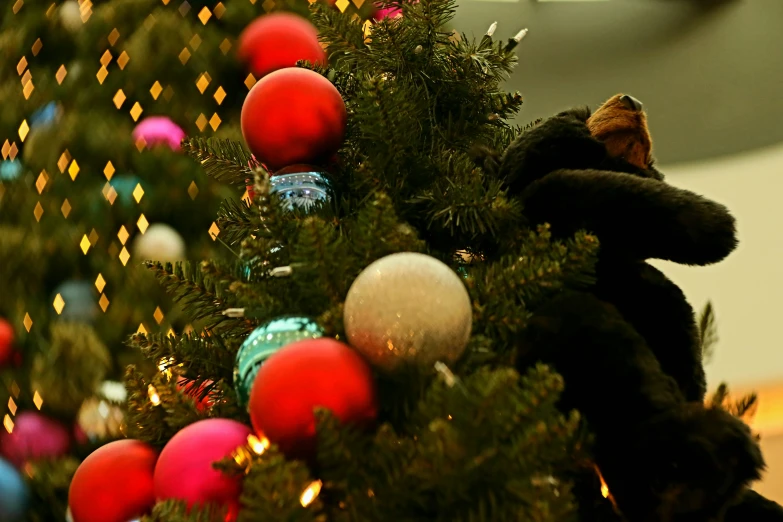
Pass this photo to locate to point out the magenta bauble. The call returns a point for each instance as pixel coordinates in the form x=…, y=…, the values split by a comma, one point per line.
x=34, y=436
x=184, y=470
x=159, y=130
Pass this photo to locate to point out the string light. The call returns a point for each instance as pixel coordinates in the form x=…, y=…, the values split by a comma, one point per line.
x=310, y=493
x=153, y=395
x=259, y=446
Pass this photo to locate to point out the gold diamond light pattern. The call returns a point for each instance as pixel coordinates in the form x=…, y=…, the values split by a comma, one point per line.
x=156, y=90
x=123, y=235
x=24, y=129
x=136, y=111
x=59, y=304
x=142, y=223
x=138, y=193
x=100, y=283
x=108, y=171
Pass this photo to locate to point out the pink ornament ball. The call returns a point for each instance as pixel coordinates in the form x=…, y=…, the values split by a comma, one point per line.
x=389, y=12
x=184, y=470
x=33, y=437
x=159, y=130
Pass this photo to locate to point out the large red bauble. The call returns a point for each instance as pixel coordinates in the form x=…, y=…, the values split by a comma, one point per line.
x=184, y=470
x=6, y=341
x=114, y=483
x=293, y=116
x=279, y=40
x=34, y=436
x=305, y=375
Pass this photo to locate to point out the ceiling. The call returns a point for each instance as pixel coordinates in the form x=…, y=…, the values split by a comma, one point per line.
x=710, y=73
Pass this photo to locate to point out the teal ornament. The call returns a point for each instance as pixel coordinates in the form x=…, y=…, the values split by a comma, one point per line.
x=463, y=271
x=263, y=342
x=14, y=494
x=45, y=116
x=300, y=187
x=10, y=170
x=124, y=185
x=81, y=301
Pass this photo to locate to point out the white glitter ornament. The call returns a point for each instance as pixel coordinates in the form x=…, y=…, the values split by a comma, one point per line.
x=71, y=16
x=408, y=308
x=161, y=243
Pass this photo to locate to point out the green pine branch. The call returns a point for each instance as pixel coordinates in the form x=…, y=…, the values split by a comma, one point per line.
x=203, y=297
x=178, y=511
x=156, y=410
x=343, y=35
x=203, y=355
x=461, y=203
x=506, y=292
x=236, y=221
x=223, y=160
x=708, y=332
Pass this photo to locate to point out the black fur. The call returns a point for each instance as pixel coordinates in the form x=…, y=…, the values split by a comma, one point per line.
x=628, y=350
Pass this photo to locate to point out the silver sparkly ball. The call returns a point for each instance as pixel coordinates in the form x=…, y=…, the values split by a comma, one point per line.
x=161, y=243
x=71, y=16
x=408, y=308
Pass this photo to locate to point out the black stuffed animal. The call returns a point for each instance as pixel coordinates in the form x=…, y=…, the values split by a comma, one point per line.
x=628, y=348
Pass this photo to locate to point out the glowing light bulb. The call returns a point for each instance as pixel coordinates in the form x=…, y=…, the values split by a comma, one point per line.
x=311, y=493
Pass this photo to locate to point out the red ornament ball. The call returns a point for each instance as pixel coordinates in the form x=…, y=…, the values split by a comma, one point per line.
x=195, y=392
x=305, y=375
x=114, y=483
x=184, y=470
x=6, y=341
x=293, y=116
x=34, y=436
x=279, y=40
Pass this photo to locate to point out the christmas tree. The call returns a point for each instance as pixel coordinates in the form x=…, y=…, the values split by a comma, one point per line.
x=97, y=97
x=367, y=319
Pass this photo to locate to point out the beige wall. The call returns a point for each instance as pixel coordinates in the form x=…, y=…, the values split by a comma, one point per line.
x=746, y=288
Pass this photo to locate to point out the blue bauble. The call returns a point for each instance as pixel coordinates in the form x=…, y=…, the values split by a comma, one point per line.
x=81, y=302
x=10, y=170
x=265, y=341
x=45, y=116
x=301, y=187
x=14, y=494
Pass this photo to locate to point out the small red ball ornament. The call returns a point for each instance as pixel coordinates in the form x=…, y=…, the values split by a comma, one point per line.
x=293, y=116
x=184, y=470
x=190, y=389
x=279, y=40
x=303, y=376
x=114, y=483
x=6, y=341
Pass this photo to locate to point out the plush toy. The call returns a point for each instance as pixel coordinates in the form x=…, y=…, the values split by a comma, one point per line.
x=628, y=347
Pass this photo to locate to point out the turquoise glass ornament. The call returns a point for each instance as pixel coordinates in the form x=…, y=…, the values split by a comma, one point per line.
x=10, y=170
x=14, y=493
x=264, y=341
x=300, y=187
